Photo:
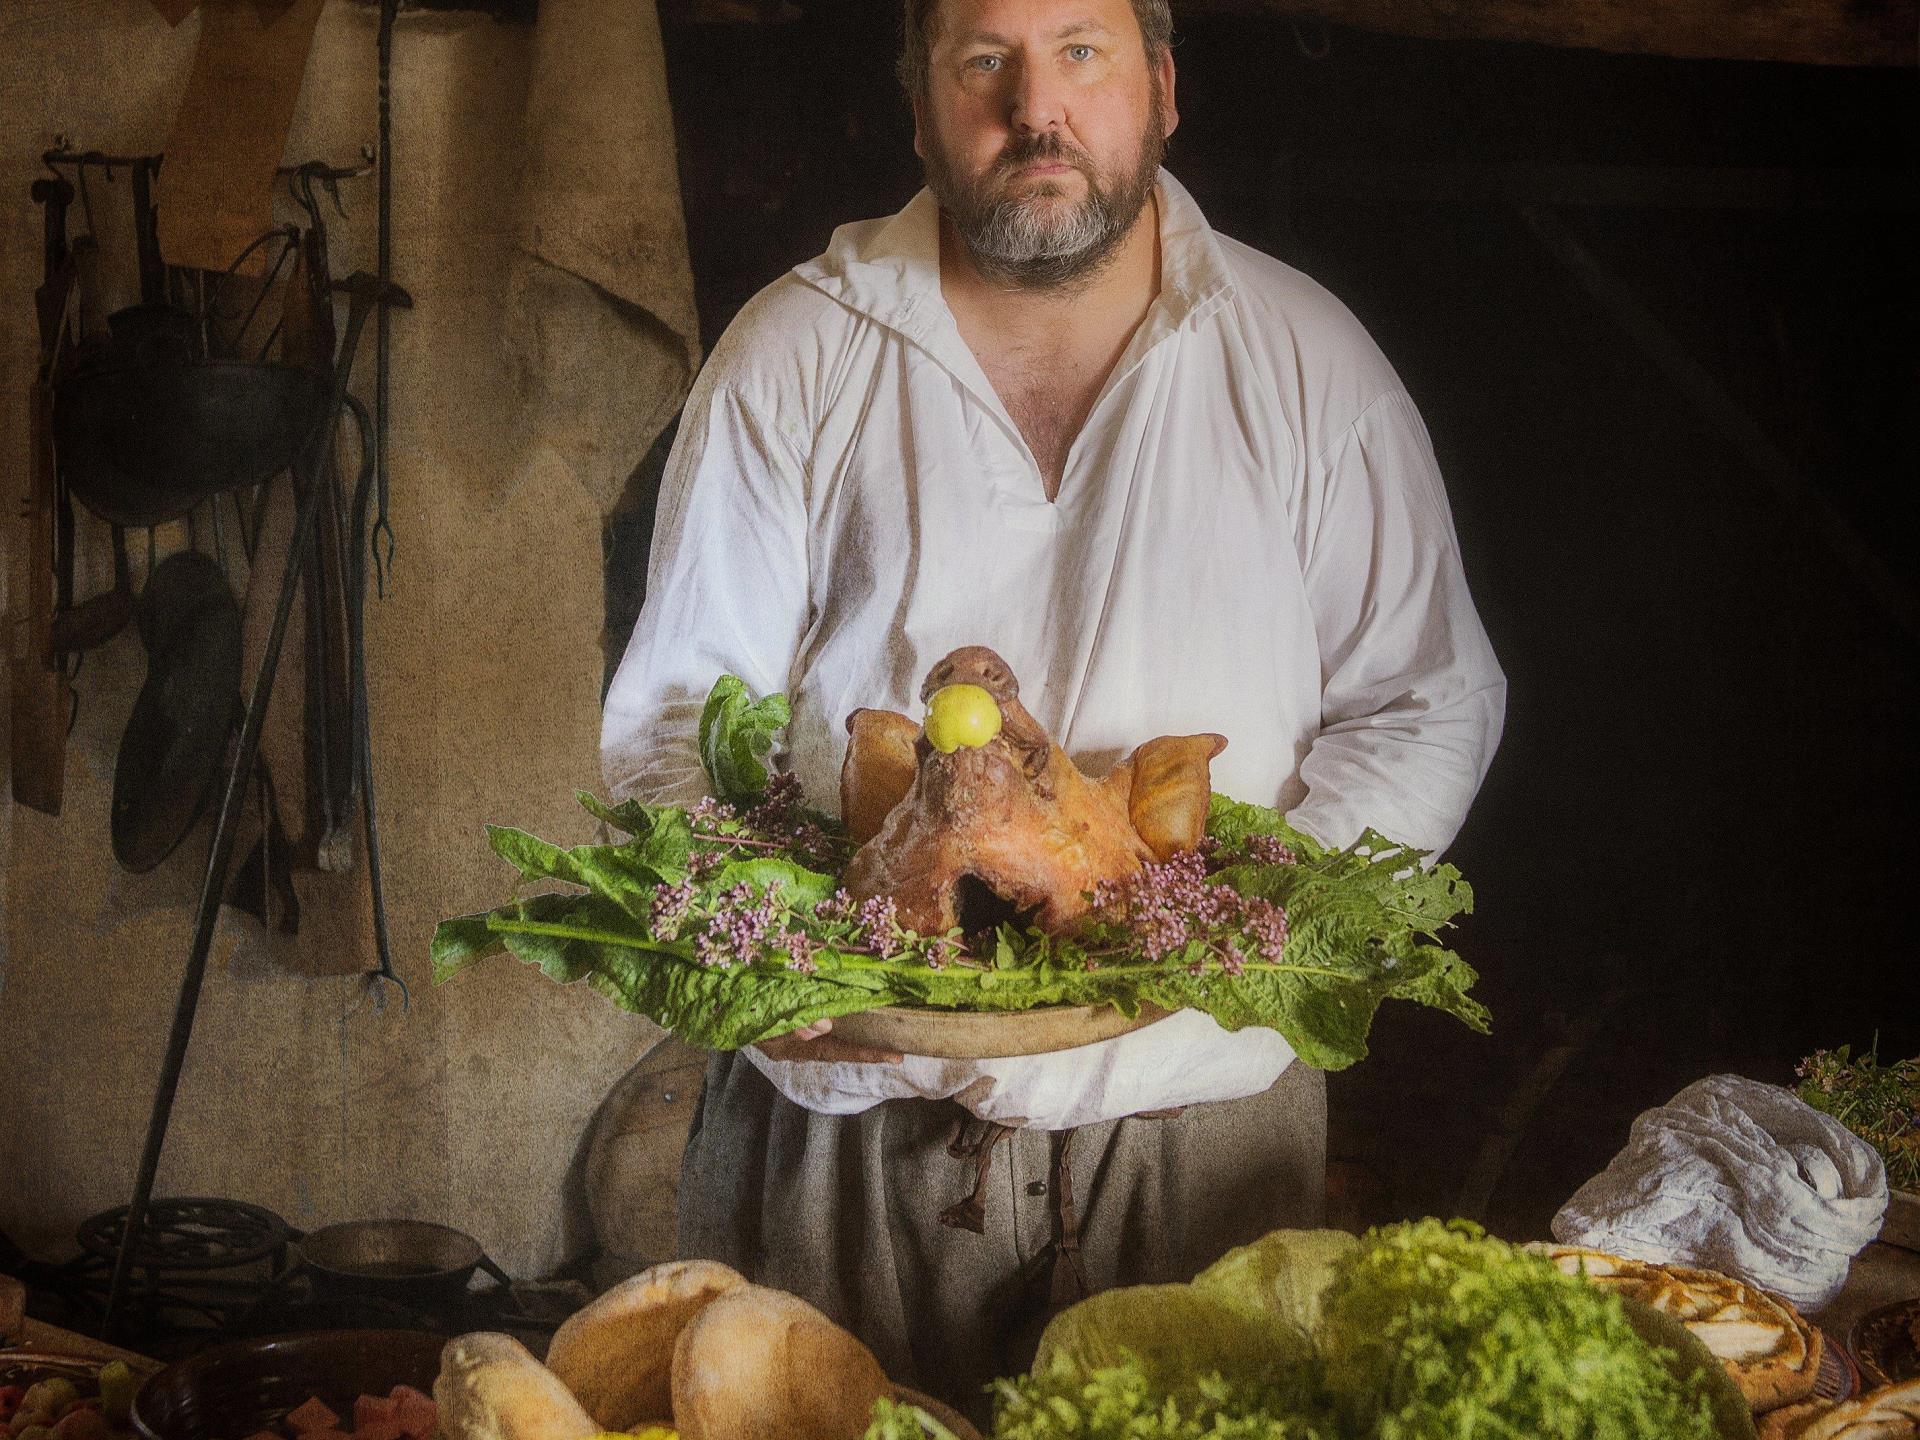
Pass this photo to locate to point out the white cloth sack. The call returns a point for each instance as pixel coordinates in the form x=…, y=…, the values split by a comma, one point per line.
x=1740, y=1177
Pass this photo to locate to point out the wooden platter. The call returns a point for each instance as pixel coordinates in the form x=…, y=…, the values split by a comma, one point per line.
x=986, y=1035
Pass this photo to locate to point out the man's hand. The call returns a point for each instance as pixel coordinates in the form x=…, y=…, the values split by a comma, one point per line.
x=814, y=1042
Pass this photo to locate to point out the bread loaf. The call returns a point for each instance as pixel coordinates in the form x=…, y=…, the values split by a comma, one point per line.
x=760, y=1364
x=616, y=1355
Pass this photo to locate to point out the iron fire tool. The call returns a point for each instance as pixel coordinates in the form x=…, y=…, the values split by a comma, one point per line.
x=364, y=292
x=40, y=695
x=382, y=357
x=362, y=759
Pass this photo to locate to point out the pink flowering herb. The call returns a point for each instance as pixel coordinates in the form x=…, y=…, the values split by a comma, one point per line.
x=1170, y=905
x=1269, y=850
x=668, y=911
x=876, y=918
x=800, y=951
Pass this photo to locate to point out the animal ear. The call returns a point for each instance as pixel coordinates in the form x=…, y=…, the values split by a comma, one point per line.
x=878, y=770
x=1166, y=784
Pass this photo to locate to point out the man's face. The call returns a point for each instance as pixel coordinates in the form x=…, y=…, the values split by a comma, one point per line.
x=1042, y=128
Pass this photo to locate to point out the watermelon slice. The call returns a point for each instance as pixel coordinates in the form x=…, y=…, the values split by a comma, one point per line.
x=416, y=1412
x=311, y=1418
x=369, y=1408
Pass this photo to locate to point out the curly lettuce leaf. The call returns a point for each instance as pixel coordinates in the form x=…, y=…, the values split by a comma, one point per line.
x=1064, y=1400
x=900, y=1420
x=1434, y=1328
x=736, y=736
x=1362, y=928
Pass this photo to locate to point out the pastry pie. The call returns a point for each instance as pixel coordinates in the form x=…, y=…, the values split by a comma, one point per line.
x=1890, y=1413
x=1772, y=1354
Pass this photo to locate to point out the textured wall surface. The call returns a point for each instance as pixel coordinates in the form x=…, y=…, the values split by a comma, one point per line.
x=485, y=661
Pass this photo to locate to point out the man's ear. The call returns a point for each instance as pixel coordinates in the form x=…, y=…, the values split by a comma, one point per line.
x=1169, y=109
x=919, y=123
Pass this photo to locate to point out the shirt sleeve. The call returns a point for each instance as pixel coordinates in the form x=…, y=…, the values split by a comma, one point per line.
x=1413, y=699
x=726, y=594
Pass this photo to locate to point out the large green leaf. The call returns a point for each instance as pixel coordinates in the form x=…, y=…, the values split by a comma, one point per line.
x=798, y=888
x=460, y=941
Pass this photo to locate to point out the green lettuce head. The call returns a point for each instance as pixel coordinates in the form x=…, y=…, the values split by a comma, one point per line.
x=1176, y=1336
x=1432, y=1330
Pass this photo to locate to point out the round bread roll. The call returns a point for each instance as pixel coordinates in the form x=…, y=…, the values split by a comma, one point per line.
x=760, y=1364
x=616, y=1355
x=491, y=1388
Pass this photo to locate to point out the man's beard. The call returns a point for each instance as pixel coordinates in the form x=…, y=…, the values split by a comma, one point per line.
x=1021, y=241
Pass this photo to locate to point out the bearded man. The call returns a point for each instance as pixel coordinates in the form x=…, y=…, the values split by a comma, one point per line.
x=1047, y=409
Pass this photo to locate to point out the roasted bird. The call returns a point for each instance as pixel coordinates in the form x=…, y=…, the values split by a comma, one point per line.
x=973, y=832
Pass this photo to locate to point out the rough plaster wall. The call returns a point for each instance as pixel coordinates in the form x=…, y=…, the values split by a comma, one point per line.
x=485, y=668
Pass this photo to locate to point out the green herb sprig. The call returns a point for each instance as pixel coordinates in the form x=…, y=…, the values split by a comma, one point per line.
x=1879, y=1103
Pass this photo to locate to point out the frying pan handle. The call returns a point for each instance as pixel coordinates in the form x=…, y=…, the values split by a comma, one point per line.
x=486, y=1264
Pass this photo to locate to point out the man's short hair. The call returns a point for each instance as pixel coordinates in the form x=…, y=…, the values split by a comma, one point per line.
x=1156, y=29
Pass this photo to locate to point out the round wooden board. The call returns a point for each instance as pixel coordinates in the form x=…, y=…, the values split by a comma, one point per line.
x=986, y=1035
x=946, y=1415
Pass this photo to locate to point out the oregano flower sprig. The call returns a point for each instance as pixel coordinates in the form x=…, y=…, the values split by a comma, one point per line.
x=1176, y=907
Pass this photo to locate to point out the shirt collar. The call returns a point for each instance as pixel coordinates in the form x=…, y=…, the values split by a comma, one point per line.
x=889, y=269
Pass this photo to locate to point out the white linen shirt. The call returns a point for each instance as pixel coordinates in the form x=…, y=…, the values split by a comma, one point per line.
x=1250, y=537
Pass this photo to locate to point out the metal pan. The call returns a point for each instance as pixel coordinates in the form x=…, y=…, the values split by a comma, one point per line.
x=175, y=743
x=401, y=1260
x=141, y=444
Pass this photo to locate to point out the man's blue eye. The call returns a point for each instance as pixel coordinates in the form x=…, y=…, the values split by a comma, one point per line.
x=985, y=62
x=1080, y=52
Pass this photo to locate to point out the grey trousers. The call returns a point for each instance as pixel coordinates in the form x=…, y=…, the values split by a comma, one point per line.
x=845, y=1211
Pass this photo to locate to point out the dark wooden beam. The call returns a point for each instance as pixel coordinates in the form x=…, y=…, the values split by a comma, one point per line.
x=1800, y=32
x=1370, y=180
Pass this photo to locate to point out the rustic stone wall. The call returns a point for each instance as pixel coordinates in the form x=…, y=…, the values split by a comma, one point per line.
x=300, y=1093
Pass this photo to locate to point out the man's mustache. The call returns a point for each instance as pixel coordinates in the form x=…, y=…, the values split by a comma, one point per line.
x=1035, y=148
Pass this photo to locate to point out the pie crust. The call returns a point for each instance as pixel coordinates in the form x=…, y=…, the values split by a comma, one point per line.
x=1770, y=1352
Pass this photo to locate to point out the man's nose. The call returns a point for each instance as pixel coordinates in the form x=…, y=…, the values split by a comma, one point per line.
x=1038, y=104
